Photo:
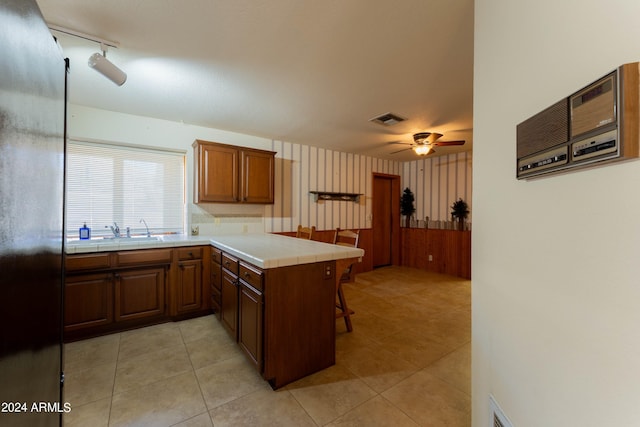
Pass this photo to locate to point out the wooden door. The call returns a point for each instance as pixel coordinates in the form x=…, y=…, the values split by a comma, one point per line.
x=385, y=224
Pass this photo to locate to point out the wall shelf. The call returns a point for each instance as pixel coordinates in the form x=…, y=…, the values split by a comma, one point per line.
x=328, y=195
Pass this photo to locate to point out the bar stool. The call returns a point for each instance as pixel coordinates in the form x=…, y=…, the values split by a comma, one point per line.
x=345, y=238
x=305, y=232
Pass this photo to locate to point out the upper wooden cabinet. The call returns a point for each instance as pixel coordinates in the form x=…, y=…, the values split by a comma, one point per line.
x=231, y=174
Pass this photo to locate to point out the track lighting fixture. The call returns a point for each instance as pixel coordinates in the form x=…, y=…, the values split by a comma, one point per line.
x=98, y=61
x=101, y=64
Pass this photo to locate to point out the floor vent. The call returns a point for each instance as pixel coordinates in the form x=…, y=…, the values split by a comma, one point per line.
x=388, y=119
x=498, y=418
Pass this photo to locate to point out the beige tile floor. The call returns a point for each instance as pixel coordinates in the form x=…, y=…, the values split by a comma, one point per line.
x=406, y=363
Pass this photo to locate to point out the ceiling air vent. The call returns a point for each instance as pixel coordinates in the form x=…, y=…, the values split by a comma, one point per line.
x=388, y=119
x=498, y=418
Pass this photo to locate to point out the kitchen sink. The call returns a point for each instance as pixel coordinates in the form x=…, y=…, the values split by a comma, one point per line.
x=132, y=239
x=118, y=240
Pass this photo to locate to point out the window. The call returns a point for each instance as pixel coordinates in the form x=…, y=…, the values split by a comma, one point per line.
x=123, y=184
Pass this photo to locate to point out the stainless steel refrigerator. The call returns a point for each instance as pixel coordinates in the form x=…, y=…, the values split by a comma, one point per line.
x=32, y=127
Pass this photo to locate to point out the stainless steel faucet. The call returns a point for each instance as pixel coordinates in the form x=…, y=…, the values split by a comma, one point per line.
x=114, y=229
x=145, y=224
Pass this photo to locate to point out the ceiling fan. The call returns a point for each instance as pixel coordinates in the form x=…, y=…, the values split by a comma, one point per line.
x=423, y=143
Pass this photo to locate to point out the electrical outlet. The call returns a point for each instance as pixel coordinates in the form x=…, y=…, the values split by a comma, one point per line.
x=430, y=257
x=245, y=228
x=195, y=230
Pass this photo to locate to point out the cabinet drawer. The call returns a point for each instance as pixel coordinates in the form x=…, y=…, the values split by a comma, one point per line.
x=216, y=296
x=193, y=252
x=216, y=255
x=230, y=263
x=144, y=256
x=251, y=275
x=87, y=262
x=216, y=275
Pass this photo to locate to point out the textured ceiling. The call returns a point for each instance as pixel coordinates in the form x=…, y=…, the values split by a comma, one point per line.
x=302, y=71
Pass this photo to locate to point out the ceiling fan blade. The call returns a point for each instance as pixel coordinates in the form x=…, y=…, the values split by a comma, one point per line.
x=400, y=151
x=443, y=143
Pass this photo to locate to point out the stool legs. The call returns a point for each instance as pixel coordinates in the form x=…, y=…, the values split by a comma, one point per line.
x=344, y=311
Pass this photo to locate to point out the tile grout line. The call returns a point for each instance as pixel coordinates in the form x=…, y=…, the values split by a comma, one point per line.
x=193, y=368
x=115, y=372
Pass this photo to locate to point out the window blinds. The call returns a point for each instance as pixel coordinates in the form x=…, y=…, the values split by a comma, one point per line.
x=107, y=183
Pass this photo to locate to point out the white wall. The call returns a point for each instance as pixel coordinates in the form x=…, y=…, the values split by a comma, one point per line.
x=299, y=169
x=556, y=324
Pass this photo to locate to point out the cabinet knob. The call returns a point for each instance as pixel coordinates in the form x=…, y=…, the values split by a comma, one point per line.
x=191, y=254
x=246, y=274
x=181, y=265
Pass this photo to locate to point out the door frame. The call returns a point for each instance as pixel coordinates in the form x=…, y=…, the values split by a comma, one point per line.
x=395, y=213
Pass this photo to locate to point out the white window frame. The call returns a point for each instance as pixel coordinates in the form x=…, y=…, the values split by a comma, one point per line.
x=109, y=182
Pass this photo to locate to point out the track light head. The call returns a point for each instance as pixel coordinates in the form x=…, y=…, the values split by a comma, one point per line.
x=101, y=64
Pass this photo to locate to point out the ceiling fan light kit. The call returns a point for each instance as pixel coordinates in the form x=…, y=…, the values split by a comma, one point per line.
x=423, y=150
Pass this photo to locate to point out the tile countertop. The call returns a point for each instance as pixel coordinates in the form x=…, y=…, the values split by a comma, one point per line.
x=123, y=244
x=262, y=250
x=274, y=250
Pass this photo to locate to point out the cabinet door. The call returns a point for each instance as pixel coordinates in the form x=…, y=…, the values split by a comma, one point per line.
x=218, y=174
x=139, y=293
x=229, y=309
x=257, y=177
x=189, y=286
x=88, y=301
x=250, y=319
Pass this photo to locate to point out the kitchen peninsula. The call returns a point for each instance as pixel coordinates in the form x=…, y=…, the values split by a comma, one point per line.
x=274, y=294
x=286, y=301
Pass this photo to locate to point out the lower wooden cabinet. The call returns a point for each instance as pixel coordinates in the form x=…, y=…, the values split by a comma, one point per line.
x=229, y=306
x=216, y=281
x=188, y=286
x=88, y=301
x=110, y=291
x=282, y=318
x=251, y=323
x=140, y=293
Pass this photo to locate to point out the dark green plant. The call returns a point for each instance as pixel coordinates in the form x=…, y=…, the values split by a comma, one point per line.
x=459, y=209
x=406, y=203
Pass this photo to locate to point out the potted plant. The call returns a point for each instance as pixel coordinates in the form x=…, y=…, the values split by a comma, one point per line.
x=460, y=211
x=406, y=206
